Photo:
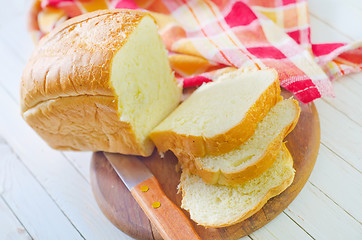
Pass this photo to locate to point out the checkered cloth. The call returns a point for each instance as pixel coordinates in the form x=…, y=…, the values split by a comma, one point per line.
x=208, y=38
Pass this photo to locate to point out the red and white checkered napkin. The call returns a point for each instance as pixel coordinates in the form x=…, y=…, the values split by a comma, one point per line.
x=206, y=38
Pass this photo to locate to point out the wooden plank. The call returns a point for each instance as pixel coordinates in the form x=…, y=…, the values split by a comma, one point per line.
x=18, y=40
x=65, y=185
x=355, y=80
x=343, y=17
x=81, y=161
x=13, y=9
x=13, y=29
x=352, y=3
x=321, y=32
x=276, y=230
x=10, y=228
x=341, y=134
x=11, y=69
x=321, y=217
x=339, y=181
x=26, y=197
x=348, y=99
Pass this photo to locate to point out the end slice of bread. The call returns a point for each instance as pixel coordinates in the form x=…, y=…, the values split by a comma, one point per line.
x=219, y=206
x=219, y=116
x=254, y=156
x=100, y=82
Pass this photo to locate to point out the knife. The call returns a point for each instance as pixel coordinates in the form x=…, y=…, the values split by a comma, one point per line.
x=169, y=220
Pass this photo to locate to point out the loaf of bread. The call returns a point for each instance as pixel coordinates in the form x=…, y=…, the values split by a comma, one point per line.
x=213, y=205
x=254, y=156
x=219, y=116
x=100, y=81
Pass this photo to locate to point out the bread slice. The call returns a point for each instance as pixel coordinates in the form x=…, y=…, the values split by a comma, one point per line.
x=219, y=206
x=219, y=116
x=100, y=81
x=254, y=156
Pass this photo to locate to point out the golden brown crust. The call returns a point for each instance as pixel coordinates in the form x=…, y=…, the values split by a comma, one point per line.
x=74, y=59
x=61, y=123
x=271, y=193
x=199, y=146
x=67, y=79
x=243, y=174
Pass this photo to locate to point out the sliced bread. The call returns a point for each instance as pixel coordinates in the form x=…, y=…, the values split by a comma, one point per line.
x=219, y=116
x=100, y=81
x=254, y=156
x=218, y=206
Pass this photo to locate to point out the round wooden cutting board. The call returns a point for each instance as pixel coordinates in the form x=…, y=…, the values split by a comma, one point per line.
x=123, y=211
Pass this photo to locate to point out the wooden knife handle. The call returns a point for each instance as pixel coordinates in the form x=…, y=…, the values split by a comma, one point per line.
x=169, y=220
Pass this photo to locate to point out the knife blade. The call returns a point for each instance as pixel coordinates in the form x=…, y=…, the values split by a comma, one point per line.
x=129, y=168
x=169, y=220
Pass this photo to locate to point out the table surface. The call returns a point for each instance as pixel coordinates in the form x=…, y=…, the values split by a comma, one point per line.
x=46, y=194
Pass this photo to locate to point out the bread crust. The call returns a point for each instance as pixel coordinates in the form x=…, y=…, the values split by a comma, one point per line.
x=248, y=172
x=62, y=123
x=75, y=58
x=270, y=194
x=73, y=63
x=199, y=146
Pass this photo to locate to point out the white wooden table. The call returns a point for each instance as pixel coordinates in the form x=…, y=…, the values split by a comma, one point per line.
x=46, y=194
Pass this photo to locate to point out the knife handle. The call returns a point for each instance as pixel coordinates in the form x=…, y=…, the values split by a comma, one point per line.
x=169, y=220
